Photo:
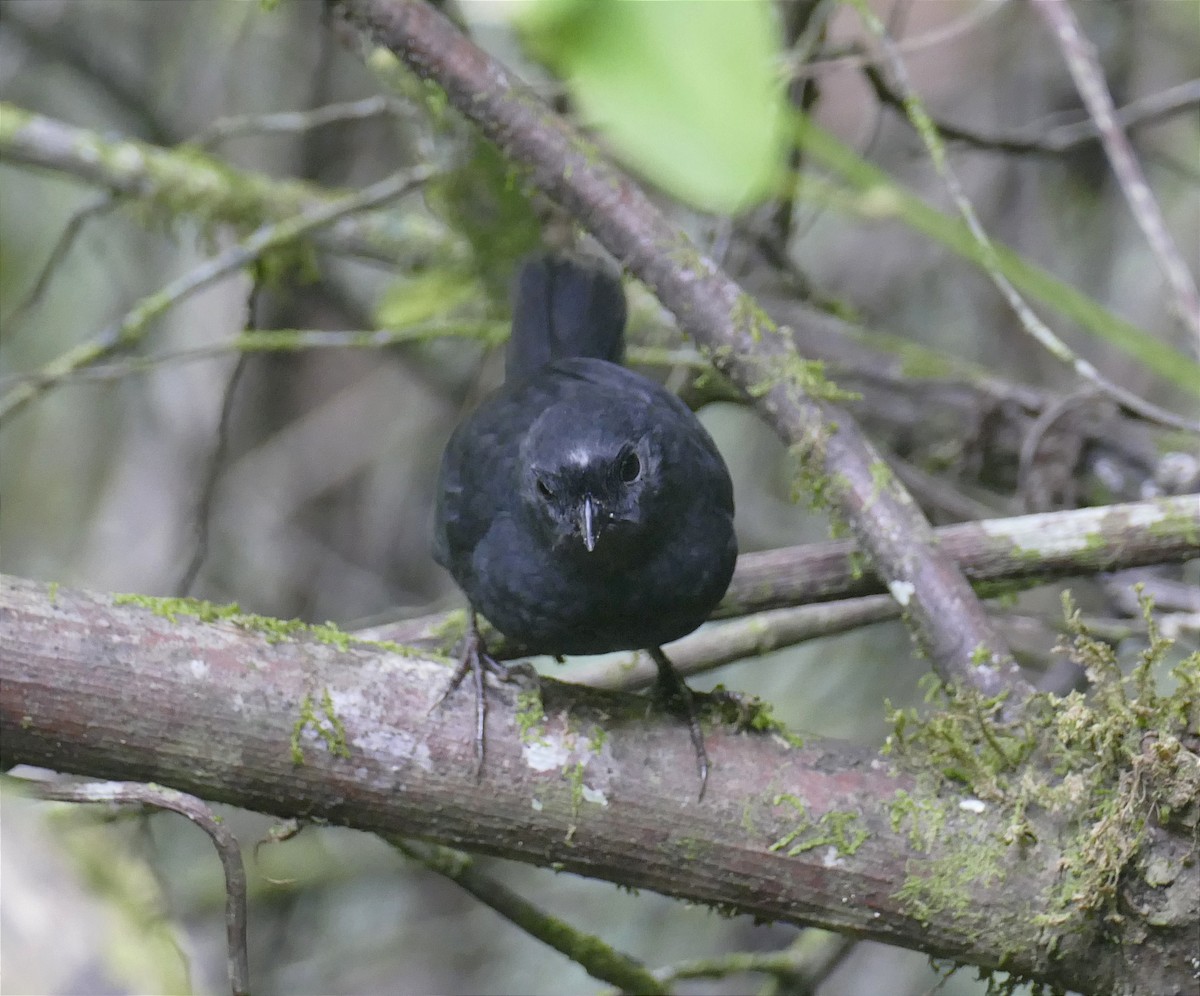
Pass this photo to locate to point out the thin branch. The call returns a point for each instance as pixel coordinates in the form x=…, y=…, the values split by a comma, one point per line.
x=1080, y=56
x=487, y=333
x=203, y=521
x=1030, y=322
x=137, y=323
x=299, y=122
x=594, y=956
x=973, y=19
x=805, y=963
x=947, y=619
x=1031, y=444
x=186, y=183
x=1037, y=139
x=66, y=240
x=778, y=585
x=196, y=810
x=743, y=639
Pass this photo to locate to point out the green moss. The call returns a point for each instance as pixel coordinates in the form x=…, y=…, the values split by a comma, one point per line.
x=326, y=724
x=274, y=630
x=748, y=823
x=172, y=608
x=1109, y=764
x=936, y=888
x=597, y=739
x=690, y=848
x=810, y=484
x=687, y=255
x=452, y=629
x=52, y=593
x=835, y=828
x=749, y=319
x=1175, y=524
x=751, y=714
x=881, y=479
x=573, y=773
x=805, y=376
x=858, y=564
x=531, y=716
x=710, y=378
x=1027, y=554
x=923, y=815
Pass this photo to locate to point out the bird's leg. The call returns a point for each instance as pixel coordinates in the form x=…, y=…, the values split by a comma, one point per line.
x=476, y=660
x=678, y=699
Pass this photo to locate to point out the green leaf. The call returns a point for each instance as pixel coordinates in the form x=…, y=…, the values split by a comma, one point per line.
x=688, y=94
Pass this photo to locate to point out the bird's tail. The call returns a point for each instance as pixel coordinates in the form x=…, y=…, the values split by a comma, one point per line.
x=564, y=308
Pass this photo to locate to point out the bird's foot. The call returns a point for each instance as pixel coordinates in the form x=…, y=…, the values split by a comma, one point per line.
x=672, y=691
x=475, y=661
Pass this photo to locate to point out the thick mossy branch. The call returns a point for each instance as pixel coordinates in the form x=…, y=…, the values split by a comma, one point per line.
x=1111, y=764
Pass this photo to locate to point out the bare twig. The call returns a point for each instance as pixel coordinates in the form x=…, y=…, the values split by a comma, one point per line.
x=216, y=461
x=65, y=241
x=973, y=19
x=1043, y=140
x=1030, y=322
x=1032, y=442
x=196, y=810
x=592, y=954
x=1080, y=56
x=751, y=636
x=487, y=333
x=803, y=964
x=294, y=122
x=136, y=324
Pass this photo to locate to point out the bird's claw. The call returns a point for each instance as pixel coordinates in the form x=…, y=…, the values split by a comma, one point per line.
x=678, y=699
x=475, y=660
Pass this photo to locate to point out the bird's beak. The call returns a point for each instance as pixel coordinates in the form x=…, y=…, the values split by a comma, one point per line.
x=587, y=523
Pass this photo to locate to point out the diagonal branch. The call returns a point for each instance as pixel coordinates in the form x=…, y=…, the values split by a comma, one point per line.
x=592, y=954
x=1030, y=322
x=948, y=620
x=1080, y=56
x=137, y=323
x=186, y=183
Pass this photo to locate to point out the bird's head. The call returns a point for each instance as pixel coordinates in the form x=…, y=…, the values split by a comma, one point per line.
x=591, y=488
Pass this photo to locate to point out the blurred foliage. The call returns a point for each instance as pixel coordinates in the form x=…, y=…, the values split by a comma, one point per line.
x=687, y=94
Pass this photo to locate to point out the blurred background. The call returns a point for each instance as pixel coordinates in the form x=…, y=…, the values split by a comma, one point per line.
x=317, y=483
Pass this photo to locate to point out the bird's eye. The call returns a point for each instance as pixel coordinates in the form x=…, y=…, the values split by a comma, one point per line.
x=631, y=468
x=543, y=489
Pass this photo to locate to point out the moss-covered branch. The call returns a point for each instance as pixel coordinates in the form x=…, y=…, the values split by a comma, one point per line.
x=944, y=847
x=185, y=182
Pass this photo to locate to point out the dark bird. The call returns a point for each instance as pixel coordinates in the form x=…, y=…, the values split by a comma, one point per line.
x=583, y=508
